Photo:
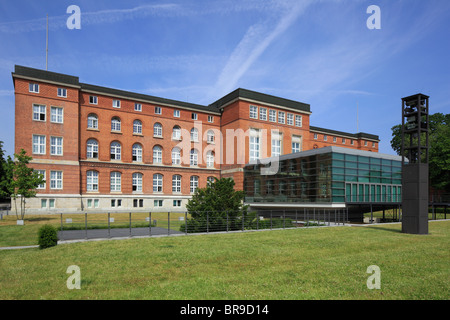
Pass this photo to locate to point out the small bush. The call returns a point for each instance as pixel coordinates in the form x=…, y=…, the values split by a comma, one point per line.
x=48, y=237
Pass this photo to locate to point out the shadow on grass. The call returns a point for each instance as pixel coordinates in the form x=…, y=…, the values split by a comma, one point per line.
x=386, y=229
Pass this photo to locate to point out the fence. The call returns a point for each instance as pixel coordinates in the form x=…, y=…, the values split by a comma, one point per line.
x=135, y=224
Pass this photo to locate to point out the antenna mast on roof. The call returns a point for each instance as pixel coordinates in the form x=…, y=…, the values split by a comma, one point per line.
x=357, y=124
x=46, y=48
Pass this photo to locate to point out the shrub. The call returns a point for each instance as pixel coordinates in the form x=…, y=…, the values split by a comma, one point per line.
x=48, y=237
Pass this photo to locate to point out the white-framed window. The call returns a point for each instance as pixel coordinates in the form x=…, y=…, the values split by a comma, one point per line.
x=157, y=182
x=176, y=113
x=62, y=92
x=137, y=107
x=92, y=149
x=93, y=100
x=296, y=144
x=210, y=159
x=93, y=203
x=137, y=181
x=365, y=143
x=43, y=203
x=38, y=144
x=41, y=172
x=137, y=127
x=298, y=120
x=157, y=130
x=176, y=156
x=352, y=142
x=290, y=119
x=194, y=134
x=281, y=117
x=39, y=112
x=254, y=144
x=325, y=137
x=193, y=183
x=194, y=116
x=56, y=146
x=56, y=114
x=343, y=140
x=56, y=179
x=138, y=203
x=210, y=136
x=253, y=112
x=158, y=203
x=115, y=124
x=315, y=136
x=272, y=116
x=176, y=183
x=373, y=144
x=334, y=139
x=33, y=87
x=158, y=110
x=157, y=154
x=176, y=133
x=116, y=103
x=262, y=113
x=177, y=203
x=115, y=181
x=116, y=153
x=116, y=203
x=210, y=119
x=193, y=159
x=136, y=152
x=276, y=144
x=92, y=121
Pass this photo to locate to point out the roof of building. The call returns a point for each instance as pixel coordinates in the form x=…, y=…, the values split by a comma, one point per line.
x=262, y=98
x=359, y=135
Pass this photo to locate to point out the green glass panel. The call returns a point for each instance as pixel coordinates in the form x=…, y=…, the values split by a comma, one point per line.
x=338, y=156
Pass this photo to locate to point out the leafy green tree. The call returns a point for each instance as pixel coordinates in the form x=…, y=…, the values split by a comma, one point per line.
x=3, y=177
x=439, y=149
x=217, y=207
x=20, y=181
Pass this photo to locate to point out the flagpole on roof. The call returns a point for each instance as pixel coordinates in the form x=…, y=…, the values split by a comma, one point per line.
x=46, y=48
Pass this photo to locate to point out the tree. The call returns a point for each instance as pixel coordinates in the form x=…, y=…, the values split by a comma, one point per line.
x=3, y=163
x=217, y=207
x=20, y=181
x=439, y=149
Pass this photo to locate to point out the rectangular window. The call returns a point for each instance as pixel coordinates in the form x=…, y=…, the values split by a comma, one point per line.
x=176, y=113
x=272, y=116
x=38, y=144
x=158, y=110
x=210, y=119
x=325, y=138
x=254, y=144
x=93, y=99
x=62, y=92
x=158, y=203
x=89, y=203
x=253, y=112
x=116, y=104
x=296, y=144
x=56, y=114
x=176, y=184
x=33, y=87
x=343, y=140
x=51, y=203
x=298, y=120
x=115, y=181
x=194, y=116
x=281, y=117
x=290, y=119
x=137, y=107
x=43, y=203
x=334, y=139
x=276, y=144
x=42, y=172
x=56, y=181
x=56, y=146
x=315, y=136
x=177, y=203
x=263, y=114
x=39, y=112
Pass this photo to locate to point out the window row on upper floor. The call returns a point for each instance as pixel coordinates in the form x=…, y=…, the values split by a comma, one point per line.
x=281, y=117
x=34, y=88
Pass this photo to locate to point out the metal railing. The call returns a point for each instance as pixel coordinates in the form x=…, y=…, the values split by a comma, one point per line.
x=138, y=224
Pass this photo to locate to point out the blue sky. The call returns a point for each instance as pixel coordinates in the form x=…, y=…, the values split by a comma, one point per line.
x=318, y=52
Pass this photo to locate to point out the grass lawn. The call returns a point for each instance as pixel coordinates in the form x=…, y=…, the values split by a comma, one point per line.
x=314, y=263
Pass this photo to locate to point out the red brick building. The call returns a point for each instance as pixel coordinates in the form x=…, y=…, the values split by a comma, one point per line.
x=102, y=148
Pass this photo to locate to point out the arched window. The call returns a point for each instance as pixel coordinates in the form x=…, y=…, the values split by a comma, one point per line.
x=210, y=180
x=157, y=182
x=137, y=127
x=137, y=152
x=92, y=121
x=194, y=134
x=210, y=159
x=194, y=157
x=92, y=180
x=137, y=181
x=176, y=156
x=157, y=130
x=116, y=181
x=115, y=124
x=193, y=184
x=115, y=151
x=176, y=183
x=210, y=136
x=157, y=154
x=92, y=149
x=176, y=133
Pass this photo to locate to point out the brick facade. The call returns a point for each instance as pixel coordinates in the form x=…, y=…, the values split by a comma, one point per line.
x=106, y=149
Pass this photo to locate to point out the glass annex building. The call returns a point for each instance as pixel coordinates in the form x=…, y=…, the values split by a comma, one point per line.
x=330, y=177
